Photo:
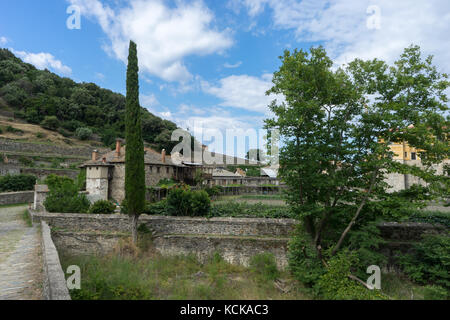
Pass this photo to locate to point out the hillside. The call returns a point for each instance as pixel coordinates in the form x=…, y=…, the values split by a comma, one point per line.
x=60, y=105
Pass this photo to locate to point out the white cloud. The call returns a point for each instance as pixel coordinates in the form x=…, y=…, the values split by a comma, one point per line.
x=342, y=26
x=232, y=66
x=100, y=76
x=243, y=91
x=3, y=41
x=43, y=60
x=148, y=101
x=164, y=35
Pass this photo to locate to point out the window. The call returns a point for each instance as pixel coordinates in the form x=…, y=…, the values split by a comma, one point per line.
x=413, y=156
x=167, y=170
x=150, y=169
x=157, y=169
x=406, y=154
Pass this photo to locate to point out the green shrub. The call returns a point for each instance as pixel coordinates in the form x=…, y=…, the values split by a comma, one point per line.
x=63, y=197
x=336, y=285
x=27, y=162
x=40, y=135
x=433, y=217
x=83, y=133
x=102, y=207
x=19, y=182
x=260, y=210
x=435, y=293
x=53, y=181
x=13, y=130
x=429, y=261
x=264, y=266
x=182, y=201
x=156, y=208
x=303, y=261
x=50, y=123
x=200, y=203
x=81, y=179
x=213, y=191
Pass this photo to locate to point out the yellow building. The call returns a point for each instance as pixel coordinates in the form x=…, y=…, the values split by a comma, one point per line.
x=404, y=152
x=408, y=155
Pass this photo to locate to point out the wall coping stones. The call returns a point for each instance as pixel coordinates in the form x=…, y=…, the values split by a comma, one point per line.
x=55, y=286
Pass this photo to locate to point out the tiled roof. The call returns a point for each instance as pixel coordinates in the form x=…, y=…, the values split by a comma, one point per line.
x=150, y=157
x=225, y=173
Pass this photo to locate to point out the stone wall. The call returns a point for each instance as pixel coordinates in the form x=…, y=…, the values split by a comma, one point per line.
x=235, y=250
x=55, y=287
x=162, y=225
x=42, y=173
x=16, y=146
x=236, y=239
x=16, y=197
x=8, y=169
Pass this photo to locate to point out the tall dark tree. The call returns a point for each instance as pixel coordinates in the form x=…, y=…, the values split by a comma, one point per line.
x=134, y=155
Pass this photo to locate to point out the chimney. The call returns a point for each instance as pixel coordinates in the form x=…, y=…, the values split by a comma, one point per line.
x=163, y=155
x=117, y=148
x=94, y=155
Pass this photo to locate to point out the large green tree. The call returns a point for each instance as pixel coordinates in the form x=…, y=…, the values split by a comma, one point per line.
x=134, y=154
x=336, y=126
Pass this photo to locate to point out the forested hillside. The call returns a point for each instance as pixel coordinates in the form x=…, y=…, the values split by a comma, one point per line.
x=72, y=109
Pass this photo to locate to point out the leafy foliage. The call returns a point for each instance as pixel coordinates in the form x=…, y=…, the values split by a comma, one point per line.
x=336, y=285
x=134, y=154
x=63, y=196
x=429, y=261
x=182, y=201
x=83, y=133
x=264, y=266
x=336, y=127
x=260, y=210
x=102, y=207
x=18, y=182
x=50, y=122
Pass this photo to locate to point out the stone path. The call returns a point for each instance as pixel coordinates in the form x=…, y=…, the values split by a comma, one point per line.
x=20, y=257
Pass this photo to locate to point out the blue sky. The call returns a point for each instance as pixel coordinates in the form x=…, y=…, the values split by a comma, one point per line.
x=208, y=63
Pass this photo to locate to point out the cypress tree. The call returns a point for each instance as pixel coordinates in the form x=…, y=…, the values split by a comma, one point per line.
x=134, y=155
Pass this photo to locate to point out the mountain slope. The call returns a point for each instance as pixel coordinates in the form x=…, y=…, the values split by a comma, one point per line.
x=38, y=96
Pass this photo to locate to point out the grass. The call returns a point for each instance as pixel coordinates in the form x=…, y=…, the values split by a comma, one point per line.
x=27, y=218
x=13, y=205
x=149, y=275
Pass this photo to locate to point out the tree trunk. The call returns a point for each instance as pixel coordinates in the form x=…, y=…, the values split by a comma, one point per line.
x=353, y=221
x=133, y=225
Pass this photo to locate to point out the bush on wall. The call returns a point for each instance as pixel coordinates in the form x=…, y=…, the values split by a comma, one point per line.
x=182, y=201
x=18, y=182
x=102, y=207
x=63, y=196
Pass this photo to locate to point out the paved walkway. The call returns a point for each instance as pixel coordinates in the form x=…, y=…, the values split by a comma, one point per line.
x=20, y=257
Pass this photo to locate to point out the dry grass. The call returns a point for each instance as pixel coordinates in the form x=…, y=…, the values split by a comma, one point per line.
x=30, y=132
x=137, y=273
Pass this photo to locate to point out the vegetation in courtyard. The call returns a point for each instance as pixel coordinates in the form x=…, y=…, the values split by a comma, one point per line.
x=17, y=182
x=63, y=196
x=134, y=153
x=151, y=276
x=336, y=153
x=429, y=262
x=182, y=201
x=102, y=207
